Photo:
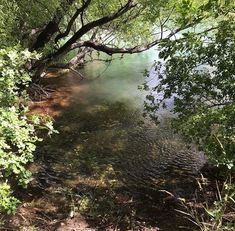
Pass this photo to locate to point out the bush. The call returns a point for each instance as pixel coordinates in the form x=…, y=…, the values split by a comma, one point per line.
x=17, y=130
x=199, y=74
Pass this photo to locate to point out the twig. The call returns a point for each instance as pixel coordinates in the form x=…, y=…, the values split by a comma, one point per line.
x=77, y=72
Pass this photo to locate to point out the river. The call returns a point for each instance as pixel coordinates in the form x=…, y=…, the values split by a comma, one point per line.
x=108, y=168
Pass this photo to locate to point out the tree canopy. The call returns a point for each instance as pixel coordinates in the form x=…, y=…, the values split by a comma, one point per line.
x=56, y=28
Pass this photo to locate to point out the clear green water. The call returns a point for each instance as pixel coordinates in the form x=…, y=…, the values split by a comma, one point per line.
x=101, y=126
x=119, y=80
x=106, y=150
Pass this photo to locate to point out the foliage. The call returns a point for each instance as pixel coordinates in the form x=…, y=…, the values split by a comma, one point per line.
x=199, y=74
x=8, y=20
x=217, y=212
x=217, y=215
x=7, y=201
x=18, y=17
x=17, y=130
x=36, y=25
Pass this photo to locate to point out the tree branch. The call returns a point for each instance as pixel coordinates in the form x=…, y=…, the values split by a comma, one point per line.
x=115, y=50
x=89, y=26
x=72, y=20
x=52, y=27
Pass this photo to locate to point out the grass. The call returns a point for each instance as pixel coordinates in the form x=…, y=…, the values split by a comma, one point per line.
x=214, y=206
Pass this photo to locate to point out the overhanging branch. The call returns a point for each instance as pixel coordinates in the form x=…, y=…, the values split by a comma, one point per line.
x=72, y=20
x=115, y=50
x=89, y=26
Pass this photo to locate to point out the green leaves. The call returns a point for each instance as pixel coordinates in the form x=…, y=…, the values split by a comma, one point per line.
x=12, y=74
x=199, y=73
x=17, y=131
x=7, y=201
x=18, y=137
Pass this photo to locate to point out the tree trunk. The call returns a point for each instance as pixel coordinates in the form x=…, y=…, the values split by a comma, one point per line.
x=45, y=36
x=52, y=27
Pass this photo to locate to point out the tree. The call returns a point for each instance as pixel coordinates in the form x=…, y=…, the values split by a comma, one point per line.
x=77, y=27
x=199, y=73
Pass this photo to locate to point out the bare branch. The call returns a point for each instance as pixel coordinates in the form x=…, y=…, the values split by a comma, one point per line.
x=169, y=15
x=136, y=49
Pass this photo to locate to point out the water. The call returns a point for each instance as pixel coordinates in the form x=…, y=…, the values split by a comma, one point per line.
x=107, y=158
x=118, y=81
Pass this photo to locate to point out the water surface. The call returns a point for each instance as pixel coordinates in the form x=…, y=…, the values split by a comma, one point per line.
x=108, y=163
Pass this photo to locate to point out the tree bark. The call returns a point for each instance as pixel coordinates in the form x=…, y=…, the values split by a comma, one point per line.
x=52, y=27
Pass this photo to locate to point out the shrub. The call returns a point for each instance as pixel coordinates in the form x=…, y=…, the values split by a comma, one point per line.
x=17, y=130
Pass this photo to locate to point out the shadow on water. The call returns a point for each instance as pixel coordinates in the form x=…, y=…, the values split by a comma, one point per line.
x=108, y=168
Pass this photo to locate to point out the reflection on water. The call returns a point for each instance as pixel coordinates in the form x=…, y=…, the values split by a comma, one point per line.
x=105, y=145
